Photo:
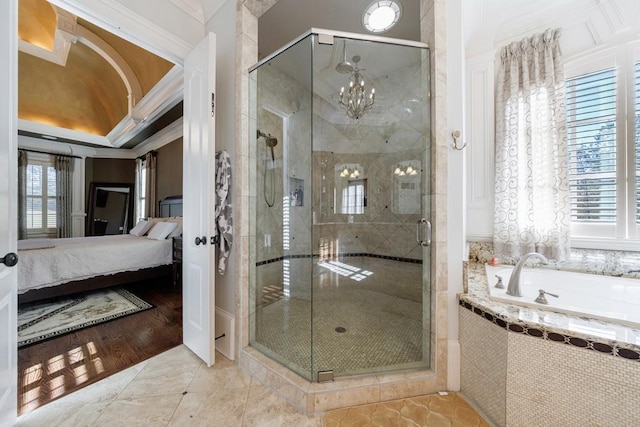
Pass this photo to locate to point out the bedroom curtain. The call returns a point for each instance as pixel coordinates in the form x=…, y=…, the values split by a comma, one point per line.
x=22, y=194
x=64, y=190
x=532, y=211
x=150, y=188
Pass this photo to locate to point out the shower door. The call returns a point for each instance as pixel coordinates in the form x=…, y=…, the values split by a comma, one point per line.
x=280, y=268
x=339, y=147
x=371, y=138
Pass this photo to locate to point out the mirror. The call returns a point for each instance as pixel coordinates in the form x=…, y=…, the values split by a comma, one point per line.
x=110, y=209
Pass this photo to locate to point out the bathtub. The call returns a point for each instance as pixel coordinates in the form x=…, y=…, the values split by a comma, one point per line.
x=613, y=299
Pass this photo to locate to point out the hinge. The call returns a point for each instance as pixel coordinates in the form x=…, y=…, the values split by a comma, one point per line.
x=213, y=104
x=325, y=39
x=325, y=376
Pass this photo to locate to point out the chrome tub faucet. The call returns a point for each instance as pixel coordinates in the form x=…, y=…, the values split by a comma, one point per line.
x=513, y=288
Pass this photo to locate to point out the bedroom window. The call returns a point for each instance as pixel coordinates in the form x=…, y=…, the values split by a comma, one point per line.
x=41, y=198
x=603, y=136
x=141, y=188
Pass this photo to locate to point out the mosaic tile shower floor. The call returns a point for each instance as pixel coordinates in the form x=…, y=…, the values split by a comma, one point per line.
x=380, y=330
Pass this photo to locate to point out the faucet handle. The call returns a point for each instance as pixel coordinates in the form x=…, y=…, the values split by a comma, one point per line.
x=541, y=298
x=499, y=284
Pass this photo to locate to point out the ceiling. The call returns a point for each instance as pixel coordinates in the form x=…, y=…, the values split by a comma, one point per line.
x=79, y=83
x=288, y=19
x=82, y=84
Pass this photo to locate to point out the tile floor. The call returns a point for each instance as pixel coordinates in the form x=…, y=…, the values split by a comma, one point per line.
x=176, y=389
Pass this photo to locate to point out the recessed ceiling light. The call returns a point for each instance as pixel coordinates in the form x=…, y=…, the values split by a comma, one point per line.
x=380, y=16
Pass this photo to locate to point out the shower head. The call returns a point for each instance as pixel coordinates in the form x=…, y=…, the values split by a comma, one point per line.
x=271, y=141
x=345, y=67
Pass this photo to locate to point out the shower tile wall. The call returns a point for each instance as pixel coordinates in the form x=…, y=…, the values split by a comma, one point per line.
x=387, y=226
x=287, y=105
x=270, y=218
x=382, y=229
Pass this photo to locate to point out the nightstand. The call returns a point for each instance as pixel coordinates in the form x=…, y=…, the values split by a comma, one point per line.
x=177, y=260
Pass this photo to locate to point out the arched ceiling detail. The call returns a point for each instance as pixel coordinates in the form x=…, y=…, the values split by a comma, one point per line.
x=37, y=23
x=86, y=79
x=148, y=68
x=86, y=95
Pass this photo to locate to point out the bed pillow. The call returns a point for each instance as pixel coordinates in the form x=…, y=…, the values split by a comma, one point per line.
x=161, y=230
x=141, y=228
x=178, y=230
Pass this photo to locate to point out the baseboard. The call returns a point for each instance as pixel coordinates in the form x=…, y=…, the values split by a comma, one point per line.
x=453, y=366
x=225, y=324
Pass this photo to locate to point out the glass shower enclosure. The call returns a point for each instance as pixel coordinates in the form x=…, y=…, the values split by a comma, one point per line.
x=340, y=180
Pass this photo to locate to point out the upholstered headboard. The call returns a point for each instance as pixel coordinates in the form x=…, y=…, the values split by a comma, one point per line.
x=171, y=206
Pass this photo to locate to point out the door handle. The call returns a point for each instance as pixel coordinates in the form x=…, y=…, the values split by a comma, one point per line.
x=9, y=259
x=427, y=240
x=202, y=240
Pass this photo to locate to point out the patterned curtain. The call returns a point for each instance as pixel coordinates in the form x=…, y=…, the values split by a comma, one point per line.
x=64, y=189
x=531, y=184
x=150, y=193
x=22, y=194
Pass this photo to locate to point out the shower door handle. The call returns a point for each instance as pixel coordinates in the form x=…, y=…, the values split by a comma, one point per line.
x=427, y=240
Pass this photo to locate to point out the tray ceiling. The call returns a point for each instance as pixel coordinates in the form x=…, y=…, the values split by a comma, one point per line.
x=74, y=76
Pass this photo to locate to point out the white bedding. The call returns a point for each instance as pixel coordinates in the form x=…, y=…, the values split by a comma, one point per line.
x=80, y=258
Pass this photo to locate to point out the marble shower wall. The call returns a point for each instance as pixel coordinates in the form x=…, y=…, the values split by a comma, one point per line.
x=387, y=225
x=393, y=136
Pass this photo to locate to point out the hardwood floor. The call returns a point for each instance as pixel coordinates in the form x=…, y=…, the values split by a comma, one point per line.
x=59, y=366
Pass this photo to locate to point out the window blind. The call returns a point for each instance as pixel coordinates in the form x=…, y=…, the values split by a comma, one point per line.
x=591, y=140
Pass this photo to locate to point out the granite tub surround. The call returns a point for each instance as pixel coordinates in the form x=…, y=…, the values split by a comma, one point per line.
x=603, y=337
x=545, y=368
x=608, y=263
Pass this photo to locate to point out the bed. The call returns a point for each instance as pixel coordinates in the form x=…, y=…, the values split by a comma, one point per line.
x=57, y=267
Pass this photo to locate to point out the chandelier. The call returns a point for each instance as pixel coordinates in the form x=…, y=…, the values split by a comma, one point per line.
x=355, y=100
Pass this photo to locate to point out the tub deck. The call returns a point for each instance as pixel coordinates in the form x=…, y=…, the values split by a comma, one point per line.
x=580, y=330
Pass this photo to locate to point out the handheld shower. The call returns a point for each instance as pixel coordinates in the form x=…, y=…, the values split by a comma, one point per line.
x=269, y=178
x=271, y=142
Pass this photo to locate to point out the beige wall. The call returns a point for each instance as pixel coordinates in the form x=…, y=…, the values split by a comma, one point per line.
x=169, y=164
x=112, y=170
x=121, y=171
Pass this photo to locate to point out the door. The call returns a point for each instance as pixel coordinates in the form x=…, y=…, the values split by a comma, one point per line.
x=8, y=214
x=199, y=201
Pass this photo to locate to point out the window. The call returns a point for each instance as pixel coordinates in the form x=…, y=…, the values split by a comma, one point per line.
x=603, y=136
x=141, y=188
x=41, y=197
x=591, y=131
x=354, y=197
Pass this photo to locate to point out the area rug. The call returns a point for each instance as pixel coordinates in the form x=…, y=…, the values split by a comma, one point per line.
x=43, y=320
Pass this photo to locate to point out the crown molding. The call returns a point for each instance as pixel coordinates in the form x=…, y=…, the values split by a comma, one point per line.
x=161, y=98
x=167, y=135
x=131, y=26
x=191, y=8
x=62, y=133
